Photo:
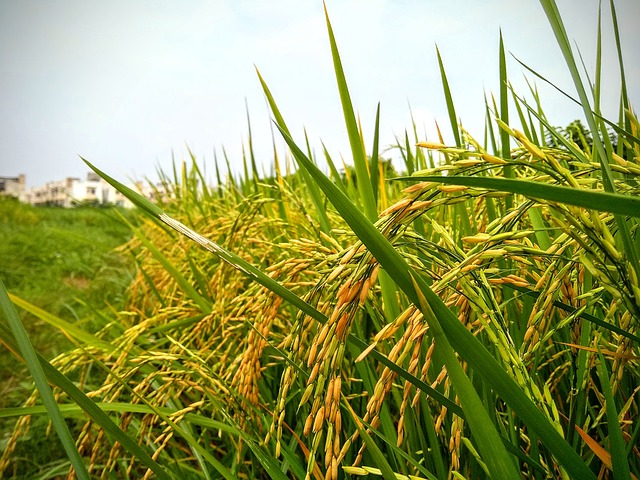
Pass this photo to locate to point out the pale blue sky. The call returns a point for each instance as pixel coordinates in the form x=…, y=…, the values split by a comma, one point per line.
x=123, y=83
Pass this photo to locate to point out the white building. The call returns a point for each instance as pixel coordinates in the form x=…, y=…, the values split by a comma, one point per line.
x=72, y=191
x=12, y=186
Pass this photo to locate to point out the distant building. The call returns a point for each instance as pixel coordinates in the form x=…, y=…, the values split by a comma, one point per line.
x=72, y=191
x=12, y=186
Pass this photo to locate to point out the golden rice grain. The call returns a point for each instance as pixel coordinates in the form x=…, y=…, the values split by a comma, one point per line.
x=419, y=205
x=431, y=145
x=307, y=425
x=533, y=149
x=492, y=159
x=452, y=188
x=319, y=419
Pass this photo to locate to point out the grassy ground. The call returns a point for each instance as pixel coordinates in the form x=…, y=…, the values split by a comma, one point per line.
x=64, y=262
x=74, y=247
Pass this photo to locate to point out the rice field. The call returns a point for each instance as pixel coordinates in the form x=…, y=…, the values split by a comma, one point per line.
x=475, y=316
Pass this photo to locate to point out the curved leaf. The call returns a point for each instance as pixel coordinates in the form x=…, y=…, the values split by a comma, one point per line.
x=602, y=201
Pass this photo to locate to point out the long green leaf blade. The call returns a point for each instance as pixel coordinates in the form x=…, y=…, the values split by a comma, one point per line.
x=601, y=201
x=68, y=328
x=357, y=149
x=453, y=119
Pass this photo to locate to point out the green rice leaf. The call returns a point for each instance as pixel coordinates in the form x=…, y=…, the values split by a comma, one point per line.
x=505, y=139
x=75, y=409
x=453, y=119
x=365, y=188
x=601, y=201
x=374, y=161
x=137, y=199
x=68, y=328
x=332, y=168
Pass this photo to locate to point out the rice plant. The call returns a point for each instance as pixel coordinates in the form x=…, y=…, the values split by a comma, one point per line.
x=476, y=317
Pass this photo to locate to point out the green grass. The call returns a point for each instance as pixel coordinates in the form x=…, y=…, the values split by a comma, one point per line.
x=477, y=317
x=53, y=256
